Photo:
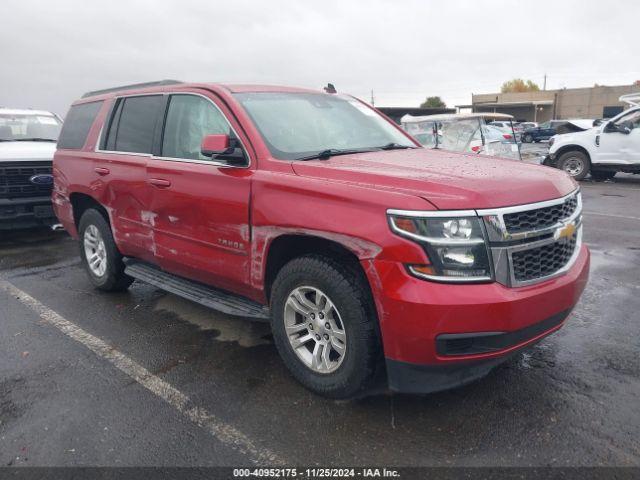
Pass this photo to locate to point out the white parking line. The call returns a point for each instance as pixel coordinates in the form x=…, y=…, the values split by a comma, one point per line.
x=612, y=215
x=223, y=432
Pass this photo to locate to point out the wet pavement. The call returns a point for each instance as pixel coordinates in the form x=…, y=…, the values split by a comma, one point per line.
x=571, y=400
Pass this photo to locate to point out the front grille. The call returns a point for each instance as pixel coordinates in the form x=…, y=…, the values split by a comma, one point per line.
x=15, y=183
x=543, y=261
x=541, y=217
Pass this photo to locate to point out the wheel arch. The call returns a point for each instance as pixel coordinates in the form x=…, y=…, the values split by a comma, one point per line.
x=571, y=148
x=286, y=247
x=81, y=202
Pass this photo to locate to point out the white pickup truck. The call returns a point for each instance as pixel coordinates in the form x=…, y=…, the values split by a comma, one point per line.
x=613, y=146
x=27, y=144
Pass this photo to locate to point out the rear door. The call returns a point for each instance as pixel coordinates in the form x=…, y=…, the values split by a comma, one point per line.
x=200, y=206
x=121, y=171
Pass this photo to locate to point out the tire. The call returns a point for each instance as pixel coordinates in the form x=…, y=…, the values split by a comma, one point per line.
x=527, y=139
x=95, y=237
x=346, y=289
x=575, y=163
x=602, y=175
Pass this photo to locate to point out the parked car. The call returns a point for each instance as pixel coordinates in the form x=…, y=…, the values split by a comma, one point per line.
x=27, y=144
x=544, y=131
x=611, y=147
x=312, y=211
x=463, y=132
x=509, y=128
x=527, y=125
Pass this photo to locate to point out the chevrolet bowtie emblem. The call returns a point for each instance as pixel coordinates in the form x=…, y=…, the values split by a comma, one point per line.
x=565, y=232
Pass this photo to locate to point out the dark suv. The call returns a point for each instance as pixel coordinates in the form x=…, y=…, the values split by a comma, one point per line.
x=544, y=131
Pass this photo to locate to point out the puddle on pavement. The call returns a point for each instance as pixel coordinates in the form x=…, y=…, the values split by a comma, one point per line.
x=245, y=332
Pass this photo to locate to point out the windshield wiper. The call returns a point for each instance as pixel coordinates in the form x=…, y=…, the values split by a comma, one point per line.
x=332, y=152
x=35, y=139
x=394, y=146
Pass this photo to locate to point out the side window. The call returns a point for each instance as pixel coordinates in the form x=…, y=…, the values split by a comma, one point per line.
x=77, y=125
x=545, y=125
x=632, y=120
x=133, y=124
x=189, y=119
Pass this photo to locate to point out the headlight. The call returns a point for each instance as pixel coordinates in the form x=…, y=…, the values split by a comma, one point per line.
x=552, y=140
x=455, y=245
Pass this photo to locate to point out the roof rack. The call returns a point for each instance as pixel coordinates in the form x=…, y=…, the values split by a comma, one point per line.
x=133, y=86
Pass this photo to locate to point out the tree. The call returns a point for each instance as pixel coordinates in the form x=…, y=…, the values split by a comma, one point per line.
x=519, y=85
x=433, y=102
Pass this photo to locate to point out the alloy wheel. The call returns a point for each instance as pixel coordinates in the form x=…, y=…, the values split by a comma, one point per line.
x=315, y=330
x=95, y=251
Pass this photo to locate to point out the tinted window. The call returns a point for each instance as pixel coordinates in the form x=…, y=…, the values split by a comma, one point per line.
x=77, y=124
x=135, y=128
x=189, y=119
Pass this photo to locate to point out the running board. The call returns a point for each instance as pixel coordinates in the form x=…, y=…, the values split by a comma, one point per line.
x=196, y=292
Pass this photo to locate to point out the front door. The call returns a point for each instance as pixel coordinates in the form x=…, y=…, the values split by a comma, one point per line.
x=200, y=206
x=617, y=147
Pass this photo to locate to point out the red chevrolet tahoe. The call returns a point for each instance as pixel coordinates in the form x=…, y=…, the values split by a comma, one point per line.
x=315, y=212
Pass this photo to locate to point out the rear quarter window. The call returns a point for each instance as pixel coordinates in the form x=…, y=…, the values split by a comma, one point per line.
x=77, y=124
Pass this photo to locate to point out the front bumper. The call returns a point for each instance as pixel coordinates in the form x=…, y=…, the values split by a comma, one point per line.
x=410, y=378
x=417, y=317
x=26, y=212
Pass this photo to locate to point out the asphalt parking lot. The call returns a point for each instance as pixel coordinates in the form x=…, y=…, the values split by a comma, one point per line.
x=146, y=378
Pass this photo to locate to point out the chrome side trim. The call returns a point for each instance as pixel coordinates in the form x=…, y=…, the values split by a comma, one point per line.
x=186, y=160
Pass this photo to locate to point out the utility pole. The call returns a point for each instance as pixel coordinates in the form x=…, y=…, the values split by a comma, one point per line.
x=373, y=100
x=544, y=85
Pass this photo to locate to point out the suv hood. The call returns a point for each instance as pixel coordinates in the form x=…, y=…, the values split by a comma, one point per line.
x=24, y=151
x=450, y=181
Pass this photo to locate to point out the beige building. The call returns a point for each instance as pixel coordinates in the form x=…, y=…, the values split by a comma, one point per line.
x=592, y=102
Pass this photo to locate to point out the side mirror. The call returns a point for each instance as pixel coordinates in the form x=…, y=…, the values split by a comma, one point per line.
x=214, y=145
x=612, y=127
x=223, y=147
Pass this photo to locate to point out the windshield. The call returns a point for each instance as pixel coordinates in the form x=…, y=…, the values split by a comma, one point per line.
x=24, y=127
x=297, y=125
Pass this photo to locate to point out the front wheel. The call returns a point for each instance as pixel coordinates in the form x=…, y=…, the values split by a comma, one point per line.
x=527, y=139
x=324, y=326
x=575, y=163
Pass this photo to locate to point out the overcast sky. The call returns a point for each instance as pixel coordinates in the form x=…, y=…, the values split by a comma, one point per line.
x=52, y=51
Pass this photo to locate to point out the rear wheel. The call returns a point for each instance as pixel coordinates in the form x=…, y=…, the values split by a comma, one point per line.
x=575, y=163
x=527, y=138
x=323, y=324
x=99, y=254
x=601, y=176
